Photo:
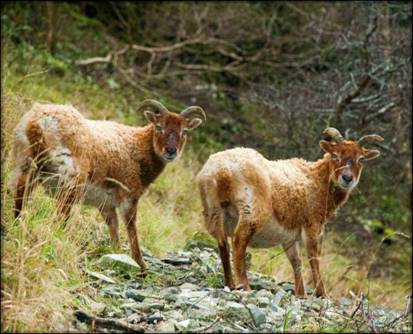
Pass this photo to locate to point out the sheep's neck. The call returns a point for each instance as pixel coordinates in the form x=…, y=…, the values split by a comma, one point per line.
x=150, y=164
x=335, y=196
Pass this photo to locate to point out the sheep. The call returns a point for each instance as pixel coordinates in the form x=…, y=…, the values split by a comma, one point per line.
x=106, y=164
x=261, y=203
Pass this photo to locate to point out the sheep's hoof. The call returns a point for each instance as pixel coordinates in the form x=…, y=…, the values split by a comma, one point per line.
x=142, y=274
x=244, y=287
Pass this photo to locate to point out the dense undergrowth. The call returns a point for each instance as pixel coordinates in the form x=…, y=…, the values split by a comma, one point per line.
x=44, y=262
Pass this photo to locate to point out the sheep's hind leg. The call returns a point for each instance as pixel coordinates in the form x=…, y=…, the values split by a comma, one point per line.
x=242, y=236
x=25, y=183
x=111, y=220
x=291, y=250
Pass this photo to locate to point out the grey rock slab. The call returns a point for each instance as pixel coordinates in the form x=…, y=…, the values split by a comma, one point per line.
x=264, y=293
x=276, y=301
x=136, y=294
x=189, y=286
x=259, y=315
x=100, y=276
x=187, y=325
x=174, y=314
x=121, y=261
x=165, y=326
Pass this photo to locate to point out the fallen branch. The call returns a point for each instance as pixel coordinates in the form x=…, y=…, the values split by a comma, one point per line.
x=106, y=323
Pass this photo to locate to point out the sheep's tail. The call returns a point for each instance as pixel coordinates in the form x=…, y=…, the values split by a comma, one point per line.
x=224, y=184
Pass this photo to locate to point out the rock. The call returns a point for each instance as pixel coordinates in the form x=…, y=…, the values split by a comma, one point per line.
x=277, y=299
x=263, y=302
x=165, y=326
x=259, y=316
x=288, y=287
x=186, y=325
x=189, y=286
x=149, y=304
x=174, y=314
x=111, y=290
x=170, y=293
x=102, y=277
x=264, y=293
x=136, y=294
x=122, y=261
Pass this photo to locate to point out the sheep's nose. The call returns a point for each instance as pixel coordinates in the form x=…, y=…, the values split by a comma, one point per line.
x=347, y=178
x=170, y=150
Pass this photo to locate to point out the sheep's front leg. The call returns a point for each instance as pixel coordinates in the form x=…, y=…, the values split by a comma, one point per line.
x=242, y=236
x=313, y=256
x=291, y=249
x=129, y=212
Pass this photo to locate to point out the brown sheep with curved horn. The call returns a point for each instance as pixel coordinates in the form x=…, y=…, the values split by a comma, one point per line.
x=261, y=203
x=108, y=164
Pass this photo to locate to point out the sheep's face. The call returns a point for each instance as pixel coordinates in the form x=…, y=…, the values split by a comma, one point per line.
x=170, y=134
x=346, y=161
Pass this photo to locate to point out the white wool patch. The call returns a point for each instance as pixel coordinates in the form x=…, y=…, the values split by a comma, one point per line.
x=48, y=123
x=21, y=131
x=273, y=234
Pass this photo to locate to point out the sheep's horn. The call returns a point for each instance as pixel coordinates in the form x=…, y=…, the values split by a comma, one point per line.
x=368, y=139
x=332, y=134
x=198, y=111
x=155, y=105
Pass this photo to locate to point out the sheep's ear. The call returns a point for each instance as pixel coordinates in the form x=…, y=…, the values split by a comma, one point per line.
x=150, y=116
x=325, y=146
x=194, y=123
x=371, y=154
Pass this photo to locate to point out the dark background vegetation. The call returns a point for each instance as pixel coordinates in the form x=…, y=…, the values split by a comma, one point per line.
x=270, y=75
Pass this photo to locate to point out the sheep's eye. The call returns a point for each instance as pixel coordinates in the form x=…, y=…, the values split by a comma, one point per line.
x=334, y=156
x=184, y=132
x=360, y=159
x=159, y=129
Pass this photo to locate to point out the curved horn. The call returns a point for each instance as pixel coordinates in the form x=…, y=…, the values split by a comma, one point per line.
x=198, y=111
x=368, y=139
x=155, y=105
x=332, y=134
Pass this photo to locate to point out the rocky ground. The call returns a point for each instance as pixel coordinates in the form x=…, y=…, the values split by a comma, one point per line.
x=183, y=293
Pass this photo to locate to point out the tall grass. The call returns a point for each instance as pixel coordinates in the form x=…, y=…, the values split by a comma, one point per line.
x=43, y=260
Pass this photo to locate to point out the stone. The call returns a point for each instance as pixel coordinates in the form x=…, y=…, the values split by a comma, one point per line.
x=276, y=301
x=111, y=290
x=165, y=326
x=263, y=302
x=189, y=286
x=102, y=277
x=186, y=325
x=174, y=314
x=264, y=293
x=121, y=261
x=259, y=316
x=136, y=294
x=149, y=304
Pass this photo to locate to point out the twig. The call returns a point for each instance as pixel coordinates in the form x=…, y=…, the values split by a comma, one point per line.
x=106, y=323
